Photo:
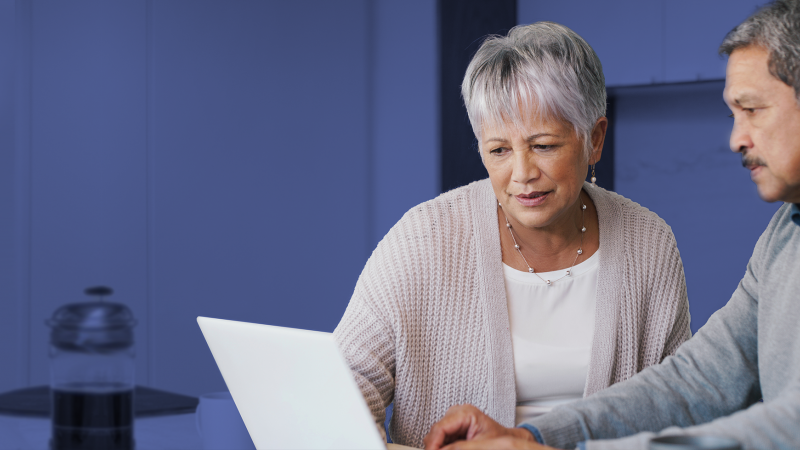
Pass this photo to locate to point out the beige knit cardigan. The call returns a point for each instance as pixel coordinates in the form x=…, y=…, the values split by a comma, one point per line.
x=427, y=326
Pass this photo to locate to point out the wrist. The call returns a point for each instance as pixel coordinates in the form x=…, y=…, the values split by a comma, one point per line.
x=523, y=433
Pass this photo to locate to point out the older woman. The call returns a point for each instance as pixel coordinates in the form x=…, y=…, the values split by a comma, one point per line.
x=531, y=288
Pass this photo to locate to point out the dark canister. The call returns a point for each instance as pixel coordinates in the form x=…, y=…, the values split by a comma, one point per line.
x=92, y=375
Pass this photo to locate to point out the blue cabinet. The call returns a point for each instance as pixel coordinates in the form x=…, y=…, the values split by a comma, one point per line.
x=693, y=31
x=651, y=41
x=625, y=34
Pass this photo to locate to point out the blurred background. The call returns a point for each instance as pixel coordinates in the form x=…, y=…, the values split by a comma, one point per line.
x=241, y=159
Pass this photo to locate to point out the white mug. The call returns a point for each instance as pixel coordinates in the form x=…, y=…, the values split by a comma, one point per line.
x=219, y=424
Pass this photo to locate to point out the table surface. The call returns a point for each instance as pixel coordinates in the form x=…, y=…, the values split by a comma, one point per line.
x=175, y=432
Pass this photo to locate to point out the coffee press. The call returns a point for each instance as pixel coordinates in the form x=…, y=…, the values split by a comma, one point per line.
x=92, y=375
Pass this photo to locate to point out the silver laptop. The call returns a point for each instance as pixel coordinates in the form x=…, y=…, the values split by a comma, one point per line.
x=292, y=387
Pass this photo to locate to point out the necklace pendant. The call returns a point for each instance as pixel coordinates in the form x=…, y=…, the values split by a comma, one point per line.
x=569, y=274
x=549, y=283
x=530, y=269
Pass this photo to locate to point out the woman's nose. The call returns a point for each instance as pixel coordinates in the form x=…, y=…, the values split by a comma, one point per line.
x=525, y=168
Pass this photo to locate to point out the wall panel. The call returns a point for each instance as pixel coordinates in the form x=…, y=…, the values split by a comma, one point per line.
x=693, y=32
x=13, y=348
x=260, y=183
x=87, y=161
x=406, y=112
x=627, y=35
x=672, y=156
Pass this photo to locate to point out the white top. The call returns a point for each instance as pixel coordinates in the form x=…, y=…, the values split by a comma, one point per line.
x=551, y=334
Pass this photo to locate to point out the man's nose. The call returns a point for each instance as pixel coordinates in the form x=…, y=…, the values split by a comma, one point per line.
x=741, y=141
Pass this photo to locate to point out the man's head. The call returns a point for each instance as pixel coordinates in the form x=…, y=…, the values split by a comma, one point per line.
x=762, y=88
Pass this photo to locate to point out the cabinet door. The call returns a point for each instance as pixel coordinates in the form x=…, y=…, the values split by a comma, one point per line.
x=693, y=31
x=626, y=34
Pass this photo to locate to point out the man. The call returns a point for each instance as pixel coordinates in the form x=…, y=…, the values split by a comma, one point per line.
x=750, y=349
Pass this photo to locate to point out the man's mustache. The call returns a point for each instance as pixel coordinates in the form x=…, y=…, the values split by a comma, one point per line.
x=752, y=161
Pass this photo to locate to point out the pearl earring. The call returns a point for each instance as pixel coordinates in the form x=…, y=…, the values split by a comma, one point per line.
x=594, y=179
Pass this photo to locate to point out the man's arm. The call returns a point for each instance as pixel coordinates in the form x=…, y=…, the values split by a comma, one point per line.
x=714, y=374
x=763, y=425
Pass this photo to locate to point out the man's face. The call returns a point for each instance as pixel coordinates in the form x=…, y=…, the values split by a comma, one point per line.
x=766, y=126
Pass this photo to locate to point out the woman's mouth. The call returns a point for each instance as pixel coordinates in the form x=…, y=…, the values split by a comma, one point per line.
x=532, y=199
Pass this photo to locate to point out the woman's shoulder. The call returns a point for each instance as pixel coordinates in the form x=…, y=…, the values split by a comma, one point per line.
x=452, y=210
x=624, y=214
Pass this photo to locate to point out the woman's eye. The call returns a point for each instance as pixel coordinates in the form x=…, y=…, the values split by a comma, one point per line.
x=543, y=147
x=498, y=151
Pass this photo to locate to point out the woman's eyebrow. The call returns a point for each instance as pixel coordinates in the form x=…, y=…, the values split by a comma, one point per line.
x=495, y=139
x=538, y=135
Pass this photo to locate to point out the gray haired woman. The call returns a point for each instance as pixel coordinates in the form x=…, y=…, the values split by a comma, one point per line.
x=527, y=290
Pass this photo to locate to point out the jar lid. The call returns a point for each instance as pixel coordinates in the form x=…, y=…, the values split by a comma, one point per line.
x=93, y=316
x=92, y=327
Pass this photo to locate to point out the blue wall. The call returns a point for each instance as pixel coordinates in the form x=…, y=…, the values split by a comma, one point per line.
x=229, y=159
x=242, y=159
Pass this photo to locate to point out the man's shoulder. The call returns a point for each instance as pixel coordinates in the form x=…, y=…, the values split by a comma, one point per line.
x=780, y=231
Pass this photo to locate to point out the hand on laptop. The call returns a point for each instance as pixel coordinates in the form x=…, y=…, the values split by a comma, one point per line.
x=465, y=427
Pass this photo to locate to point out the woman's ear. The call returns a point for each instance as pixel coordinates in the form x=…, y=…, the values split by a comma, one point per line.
x=598, y=137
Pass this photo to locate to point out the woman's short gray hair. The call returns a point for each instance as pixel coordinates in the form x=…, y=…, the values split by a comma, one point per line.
x=776, y=27
x=539, y=71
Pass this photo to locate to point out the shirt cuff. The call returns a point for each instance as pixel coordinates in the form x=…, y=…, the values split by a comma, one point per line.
x=535, y=432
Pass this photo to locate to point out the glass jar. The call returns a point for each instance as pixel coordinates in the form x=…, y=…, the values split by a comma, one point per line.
x=92, y=376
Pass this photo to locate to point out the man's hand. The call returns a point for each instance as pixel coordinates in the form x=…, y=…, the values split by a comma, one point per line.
x=468, y=423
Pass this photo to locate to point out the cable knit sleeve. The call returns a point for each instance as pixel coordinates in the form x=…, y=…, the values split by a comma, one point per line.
x=643, y=309
x=424, y=329
x=658, y=285
x=365, y=339
x=676, y=296
x=386, y=313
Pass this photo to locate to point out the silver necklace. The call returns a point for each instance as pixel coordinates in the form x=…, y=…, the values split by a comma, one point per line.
x=519, y=250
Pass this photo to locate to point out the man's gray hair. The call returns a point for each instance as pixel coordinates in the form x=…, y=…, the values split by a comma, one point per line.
x=776, y=27
x=542, y=71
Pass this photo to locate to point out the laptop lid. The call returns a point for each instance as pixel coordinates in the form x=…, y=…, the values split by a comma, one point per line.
x=292, y=387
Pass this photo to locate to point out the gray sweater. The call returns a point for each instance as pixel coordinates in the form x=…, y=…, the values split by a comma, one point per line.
x=748, y=350
x=427, y=326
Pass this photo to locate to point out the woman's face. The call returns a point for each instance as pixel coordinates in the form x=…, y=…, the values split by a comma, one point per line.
x=537, y=172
